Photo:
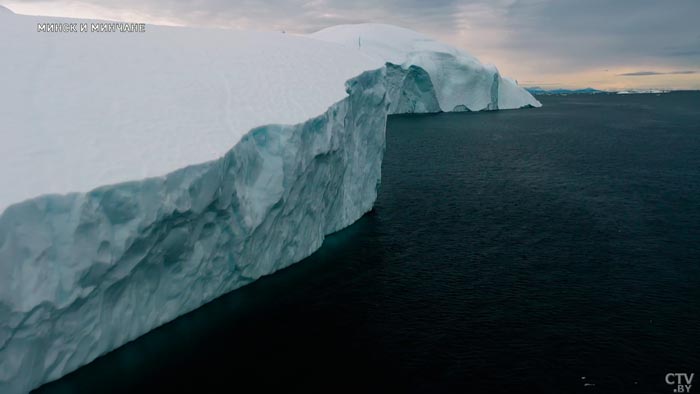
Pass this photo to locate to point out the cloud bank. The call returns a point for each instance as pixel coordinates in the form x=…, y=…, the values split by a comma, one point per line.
x=541, y=40
x=647, y=73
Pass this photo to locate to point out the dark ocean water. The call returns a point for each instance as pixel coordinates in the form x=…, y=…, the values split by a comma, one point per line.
x=515, y=251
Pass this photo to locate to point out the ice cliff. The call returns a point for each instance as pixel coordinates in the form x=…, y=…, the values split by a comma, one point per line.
x=145, y=174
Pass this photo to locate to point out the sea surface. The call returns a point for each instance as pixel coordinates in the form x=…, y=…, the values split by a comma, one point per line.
x=550, y=250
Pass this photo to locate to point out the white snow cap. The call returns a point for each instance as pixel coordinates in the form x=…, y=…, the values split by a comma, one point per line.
x=81, y=110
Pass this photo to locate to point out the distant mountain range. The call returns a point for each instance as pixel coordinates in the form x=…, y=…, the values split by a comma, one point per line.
x=539, y=90
x=643, y=91
x=536, y=90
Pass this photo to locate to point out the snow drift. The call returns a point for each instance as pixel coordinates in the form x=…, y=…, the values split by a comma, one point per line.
x=145, y=174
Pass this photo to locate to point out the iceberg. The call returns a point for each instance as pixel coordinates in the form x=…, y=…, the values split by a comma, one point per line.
x=145, y=174
x=443, y=75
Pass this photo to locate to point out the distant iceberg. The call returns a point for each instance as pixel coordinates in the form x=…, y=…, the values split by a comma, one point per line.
x=538, y=90
x=145, y=174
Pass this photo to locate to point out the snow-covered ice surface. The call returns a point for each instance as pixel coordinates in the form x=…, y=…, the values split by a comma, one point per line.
x=81, y=110
x=458, y=80
x=144, y=174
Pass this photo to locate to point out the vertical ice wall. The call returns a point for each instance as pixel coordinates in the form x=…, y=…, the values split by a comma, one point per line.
x=163, y=246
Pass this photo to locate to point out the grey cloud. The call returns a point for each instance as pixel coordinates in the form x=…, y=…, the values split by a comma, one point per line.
x=299, y=16
x=593, y=33
x=640, y=74
x=543, y=36
x=647, y=73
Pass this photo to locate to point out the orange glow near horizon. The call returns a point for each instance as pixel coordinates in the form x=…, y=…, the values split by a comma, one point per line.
x=611, y=79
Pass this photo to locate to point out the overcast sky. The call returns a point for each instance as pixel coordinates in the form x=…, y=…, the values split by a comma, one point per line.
x=611, y=44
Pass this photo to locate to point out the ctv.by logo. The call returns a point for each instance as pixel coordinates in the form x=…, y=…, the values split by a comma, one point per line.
x=682, y=381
